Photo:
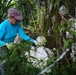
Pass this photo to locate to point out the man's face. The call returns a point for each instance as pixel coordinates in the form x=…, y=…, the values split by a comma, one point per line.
x=13, y=21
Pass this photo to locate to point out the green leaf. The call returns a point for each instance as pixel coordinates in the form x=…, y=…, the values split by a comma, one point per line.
x=68, y=43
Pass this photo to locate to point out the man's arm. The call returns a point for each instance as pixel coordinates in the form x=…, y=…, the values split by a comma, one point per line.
x=2, y=32
x=24, y=36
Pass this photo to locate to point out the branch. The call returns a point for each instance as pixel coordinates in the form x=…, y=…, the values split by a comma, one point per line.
x=49, y=67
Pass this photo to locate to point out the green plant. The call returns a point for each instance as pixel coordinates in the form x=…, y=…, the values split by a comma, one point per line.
x=64, y=69
x=17, y=63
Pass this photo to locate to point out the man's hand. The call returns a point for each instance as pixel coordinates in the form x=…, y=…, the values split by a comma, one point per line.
x=36, y=43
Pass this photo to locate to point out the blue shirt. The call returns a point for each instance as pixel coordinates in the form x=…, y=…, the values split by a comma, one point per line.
x=8, y=32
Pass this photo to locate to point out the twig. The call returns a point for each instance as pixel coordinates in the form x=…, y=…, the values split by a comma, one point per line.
x=63, y=54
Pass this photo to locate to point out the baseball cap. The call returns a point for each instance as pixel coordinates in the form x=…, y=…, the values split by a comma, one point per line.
x=12, y=12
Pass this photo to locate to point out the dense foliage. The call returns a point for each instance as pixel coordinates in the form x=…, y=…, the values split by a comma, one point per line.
x=42, y=17
x=16, y=61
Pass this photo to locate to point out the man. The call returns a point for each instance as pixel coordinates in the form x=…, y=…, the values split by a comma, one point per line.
x=8, y=31
x=10, y=27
